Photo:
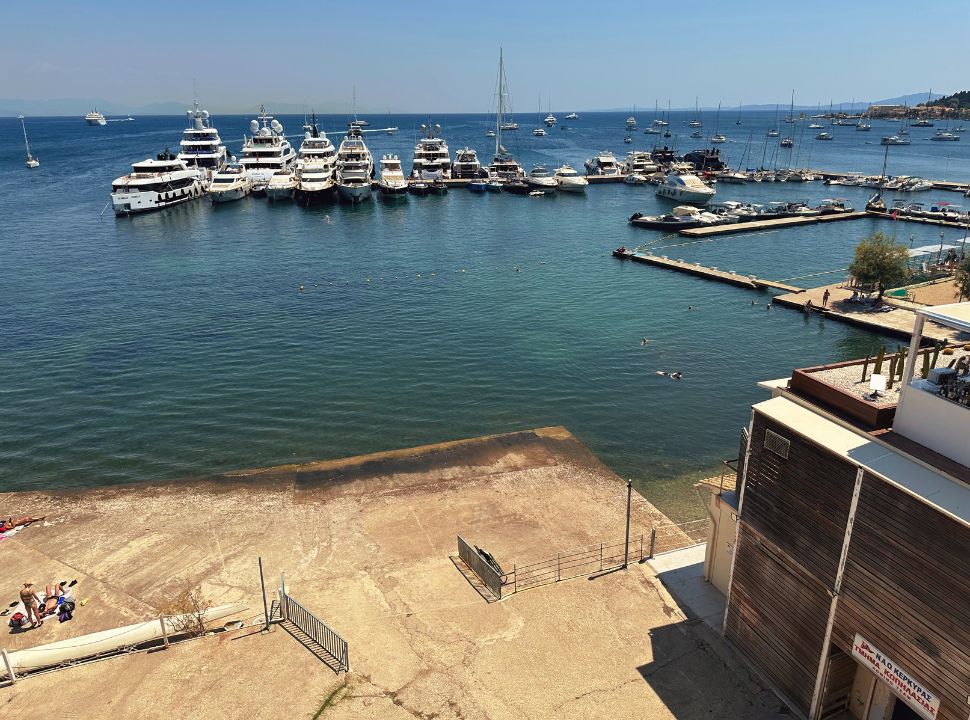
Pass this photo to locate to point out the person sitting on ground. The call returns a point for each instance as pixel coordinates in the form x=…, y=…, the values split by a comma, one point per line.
x=29, y=598
x=10, y=523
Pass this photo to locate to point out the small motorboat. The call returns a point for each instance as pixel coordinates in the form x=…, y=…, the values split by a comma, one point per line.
x=478, y=186
x=517, y=187
x=622, y=253
x=493, y=186
x=419, y=188
x=438, y=187
x=681, y=217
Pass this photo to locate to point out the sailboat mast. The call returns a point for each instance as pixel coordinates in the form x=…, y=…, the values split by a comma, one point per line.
x=498, y=109
x=24, y=125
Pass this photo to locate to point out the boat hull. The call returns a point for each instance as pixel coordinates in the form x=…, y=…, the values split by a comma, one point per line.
x=566, y=185
x=354, y=193
x=129, y=203
x=229, y=195
x=315, y=195
x=84, y=646
x=691, y=197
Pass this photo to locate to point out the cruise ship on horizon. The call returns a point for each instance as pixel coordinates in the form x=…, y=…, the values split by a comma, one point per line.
x=95, y=118
x=267, y=151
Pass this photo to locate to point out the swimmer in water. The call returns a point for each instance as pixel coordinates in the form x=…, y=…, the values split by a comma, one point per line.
x=677, y=375
x=643, y=342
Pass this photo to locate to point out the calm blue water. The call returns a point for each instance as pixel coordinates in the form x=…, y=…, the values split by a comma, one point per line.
x=177, y=343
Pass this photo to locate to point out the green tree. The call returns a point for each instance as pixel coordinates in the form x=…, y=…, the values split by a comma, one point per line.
x=879, y=260
x=962, y=278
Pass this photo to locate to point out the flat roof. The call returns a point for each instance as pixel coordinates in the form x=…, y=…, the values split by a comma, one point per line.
x=954, y=315
x=933, y=488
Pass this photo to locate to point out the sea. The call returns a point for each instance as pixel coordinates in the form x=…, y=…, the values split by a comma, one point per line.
x=203, y=339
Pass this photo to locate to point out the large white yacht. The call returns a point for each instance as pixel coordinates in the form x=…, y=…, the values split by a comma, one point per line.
x=603, y=163
x=355, y=166
x=685, y=188
x=392, y=182
x=504, y=167
x=267, y=151
x=95, y=118
x=466, y=164
x=569, y=180
x=432, y=160
x=201, y=146
x=639, y=162
x=230, y=183
x=155, y=184
x=315, y=166
x=541, y=179
x=282, y=185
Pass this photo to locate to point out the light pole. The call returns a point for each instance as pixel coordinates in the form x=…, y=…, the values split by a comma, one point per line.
x=626, y=545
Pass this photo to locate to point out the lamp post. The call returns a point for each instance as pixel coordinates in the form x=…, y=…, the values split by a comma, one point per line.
x=626, y=545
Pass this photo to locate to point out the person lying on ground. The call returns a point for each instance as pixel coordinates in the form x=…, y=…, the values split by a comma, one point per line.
x=10, y=523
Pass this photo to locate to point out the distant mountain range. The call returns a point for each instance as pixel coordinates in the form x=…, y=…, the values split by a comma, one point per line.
x=81, y=106
x=848, y=106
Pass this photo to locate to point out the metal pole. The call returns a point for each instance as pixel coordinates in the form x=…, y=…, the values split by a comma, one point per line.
x=626, y=544
x=515, y=580
x=558, y=568
x=6, y=662
x=641, y=546
x=653, y=540
x=601, y=556
x=262, y=587
x=161, y=621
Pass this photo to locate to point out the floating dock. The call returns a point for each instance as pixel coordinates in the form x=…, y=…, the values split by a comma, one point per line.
x=709, y=273
x=758, y=225
x=917, y=219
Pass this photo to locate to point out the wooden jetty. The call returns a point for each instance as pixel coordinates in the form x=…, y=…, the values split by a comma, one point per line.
x=709, y=273
x=774, y=224
x=917, y=219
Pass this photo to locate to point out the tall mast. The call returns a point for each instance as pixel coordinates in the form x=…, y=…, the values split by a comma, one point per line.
x=499, y=108
x=24, y=125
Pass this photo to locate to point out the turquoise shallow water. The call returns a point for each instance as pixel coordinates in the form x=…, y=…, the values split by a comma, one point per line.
x=177, y=344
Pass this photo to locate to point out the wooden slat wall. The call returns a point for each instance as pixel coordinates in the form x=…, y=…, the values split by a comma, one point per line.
x=800, y=504
x=906, y=589
x=777, y=616
x=839, y=677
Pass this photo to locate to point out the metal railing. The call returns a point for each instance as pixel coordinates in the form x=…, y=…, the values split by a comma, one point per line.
x=472, y=557
x=316, y=630
x=603, y=557
x=674, y=536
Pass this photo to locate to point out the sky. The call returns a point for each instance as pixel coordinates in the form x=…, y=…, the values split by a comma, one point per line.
x=442, y=57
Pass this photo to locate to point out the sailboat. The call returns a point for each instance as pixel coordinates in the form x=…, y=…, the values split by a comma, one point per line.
x=717, y=137
x=539, y=131
x=31, y=161
x=738, y=121
x=789, y=140
x=504, y=167
x=696, y=122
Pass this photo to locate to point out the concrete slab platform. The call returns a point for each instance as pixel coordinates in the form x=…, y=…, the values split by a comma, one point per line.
x=682, y=573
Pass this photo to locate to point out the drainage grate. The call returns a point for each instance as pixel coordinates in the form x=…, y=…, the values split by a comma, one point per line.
x=777, y=444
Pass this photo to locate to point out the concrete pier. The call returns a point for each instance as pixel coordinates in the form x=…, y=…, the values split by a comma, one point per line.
x=709, y=273
x=757, y=225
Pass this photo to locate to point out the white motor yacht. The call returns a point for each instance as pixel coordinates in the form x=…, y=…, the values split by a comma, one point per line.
x=432, y=160
x=540, y=179
x=639, y=162
x=267, y=151
x=155, y=184
x=572, y=116
x=569, y=180
x=894, y=140
x=824, y=136
x=539, y=132
x=603, y=163
x=95, y=118
x=466, y=164
x=392, y=182
x=550, y=120
x=355, y=167
x=685, y=188
x=282, y=185
x=201, y=146
x=944, y=135
x=315, y=165
x=230, y=183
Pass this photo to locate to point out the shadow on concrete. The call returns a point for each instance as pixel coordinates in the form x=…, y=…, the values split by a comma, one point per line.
x=472, y=579
x=695, y=678
x=313, y=646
